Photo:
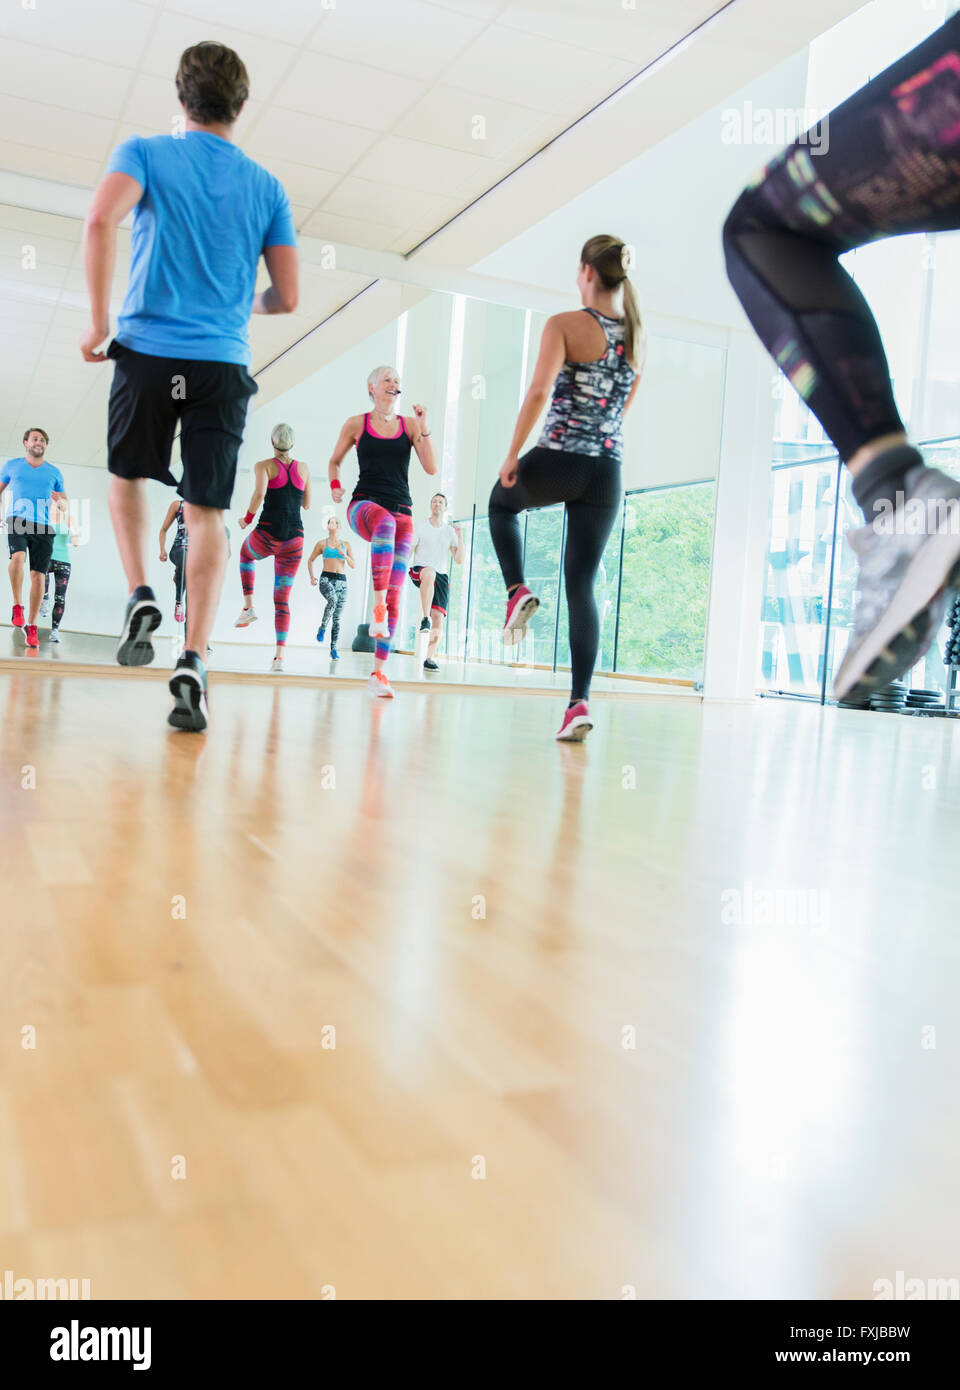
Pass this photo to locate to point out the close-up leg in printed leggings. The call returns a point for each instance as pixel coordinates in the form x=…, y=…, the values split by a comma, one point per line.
x=61, y=578
x=281, y=486
x=286, y=561
x=391, y=539
x=886, y=163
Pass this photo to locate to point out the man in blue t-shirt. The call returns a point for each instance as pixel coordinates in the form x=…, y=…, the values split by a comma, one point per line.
x=31, y=528
x=203, y=214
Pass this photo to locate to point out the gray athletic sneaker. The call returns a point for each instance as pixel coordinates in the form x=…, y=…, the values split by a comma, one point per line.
x=908, y=561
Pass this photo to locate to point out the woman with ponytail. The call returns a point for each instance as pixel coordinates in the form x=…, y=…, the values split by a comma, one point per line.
x=282, y=485
x=591, y=359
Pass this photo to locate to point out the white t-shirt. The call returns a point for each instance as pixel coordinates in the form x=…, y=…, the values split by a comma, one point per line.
x=432, y=546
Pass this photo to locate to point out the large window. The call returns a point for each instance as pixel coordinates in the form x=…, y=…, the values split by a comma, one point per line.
x=651, y=588
x=667, y=540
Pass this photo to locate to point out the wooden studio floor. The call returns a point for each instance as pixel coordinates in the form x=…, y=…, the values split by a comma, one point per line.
x=574, y=1053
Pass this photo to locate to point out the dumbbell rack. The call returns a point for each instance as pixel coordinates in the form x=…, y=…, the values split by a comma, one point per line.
x=950, y=695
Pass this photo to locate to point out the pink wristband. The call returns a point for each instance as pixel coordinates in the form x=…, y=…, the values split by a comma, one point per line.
x=248, y=518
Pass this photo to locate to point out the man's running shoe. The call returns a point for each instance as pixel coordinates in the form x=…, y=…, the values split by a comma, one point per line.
x=908, y=561
x=32, y=636
x=17, y=618
x=188, y=686
x=140, y=621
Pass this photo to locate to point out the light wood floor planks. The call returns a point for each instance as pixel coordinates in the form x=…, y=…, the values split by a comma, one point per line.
x=550, y=965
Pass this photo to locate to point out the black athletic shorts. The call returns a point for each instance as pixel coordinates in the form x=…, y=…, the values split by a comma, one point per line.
x=37, y=542
x=150, y=396
x=441, y=590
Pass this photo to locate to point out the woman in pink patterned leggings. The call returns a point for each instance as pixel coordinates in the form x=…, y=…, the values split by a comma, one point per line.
x=381, y=508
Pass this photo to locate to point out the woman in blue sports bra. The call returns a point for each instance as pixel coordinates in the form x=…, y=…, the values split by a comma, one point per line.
x=333, y=580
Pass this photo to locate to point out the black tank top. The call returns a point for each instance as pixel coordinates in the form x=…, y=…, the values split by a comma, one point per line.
x=280, y=514
x=384, y=466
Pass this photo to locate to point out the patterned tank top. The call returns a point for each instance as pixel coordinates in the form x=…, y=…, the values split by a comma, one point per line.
x=586, y=412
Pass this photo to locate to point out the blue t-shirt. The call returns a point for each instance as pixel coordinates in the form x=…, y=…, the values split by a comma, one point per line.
x=206, y=214
x=30, y=489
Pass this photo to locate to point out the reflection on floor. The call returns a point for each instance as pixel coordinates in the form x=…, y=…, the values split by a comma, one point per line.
x=420, y=1003
x=85, y=649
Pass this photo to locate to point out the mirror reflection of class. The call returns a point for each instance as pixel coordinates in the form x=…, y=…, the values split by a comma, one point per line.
x=310, y=611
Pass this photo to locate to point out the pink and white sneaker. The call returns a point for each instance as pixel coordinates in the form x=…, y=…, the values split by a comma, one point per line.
x=179, y=613
x=379, y=628
x=576, y=723
x=521, y=606
x=379, y=685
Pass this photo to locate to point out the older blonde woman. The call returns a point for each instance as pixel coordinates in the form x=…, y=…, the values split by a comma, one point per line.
x=380, y=510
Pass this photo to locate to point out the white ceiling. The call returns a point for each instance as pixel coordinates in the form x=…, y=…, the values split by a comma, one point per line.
x=367, y=110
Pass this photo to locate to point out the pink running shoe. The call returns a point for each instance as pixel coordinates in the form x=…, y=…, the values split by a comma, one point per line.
x=379, y=628
x=576, y=723
x=17, y=618
x=179, y=613
x=380, y=686
x=521, y=606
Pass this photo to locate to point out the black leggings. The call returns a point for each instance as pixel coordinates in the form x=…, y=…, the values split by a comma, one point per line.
x=179, y=557
x=61, y=578
x=592, y=490
x=889, y=164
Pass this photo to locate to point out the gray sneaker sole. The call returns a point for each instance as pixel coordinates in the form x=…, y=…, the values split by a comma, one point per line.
x=900, y=638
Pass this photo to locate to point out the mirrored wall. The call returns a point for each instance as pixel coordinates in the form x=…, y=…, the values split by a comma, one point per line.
x=469, y=361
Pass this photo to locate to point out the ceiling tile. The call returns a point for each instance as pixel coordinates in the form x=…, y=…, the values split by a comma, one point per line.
x=482, y=126
x=422, y=167
x=328, y=87
x=293, y=21
x=330, y=145
x=327, y=226
x=391, y=207
x=647, y=27
x=49, y=164
x=68, y=81
x=55, y=128
x=427, y=38
x=553, y=77
x=305, y=186
x=84, y=29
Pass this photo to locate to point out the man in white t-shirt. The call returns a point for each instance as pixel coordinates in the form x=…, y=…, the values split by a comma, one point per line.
x=434, y=541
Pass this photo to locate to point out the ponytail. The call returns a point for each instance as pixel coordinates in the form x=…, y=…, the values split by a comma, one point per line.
x=633, y=326
x=608, y=256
